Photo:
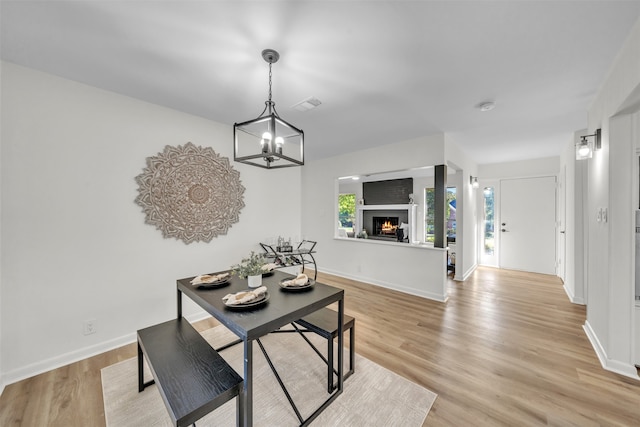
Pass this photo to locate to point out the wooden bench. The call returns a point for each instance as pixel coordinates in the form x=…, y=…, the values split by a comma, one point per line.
x=324, y=322
x=191, y=376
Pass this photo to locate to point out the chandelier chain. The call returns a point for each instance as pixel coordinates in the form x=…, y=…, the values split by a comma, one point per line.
x=269, y=82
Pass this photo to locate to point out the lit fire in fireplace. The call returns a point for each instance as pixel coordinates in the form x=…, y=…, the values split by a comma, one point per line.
x=388, y=227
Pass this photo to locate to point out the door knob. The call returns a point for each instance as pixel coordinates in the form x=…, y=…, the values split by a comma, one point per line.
x=562, y=232
x=504, y=230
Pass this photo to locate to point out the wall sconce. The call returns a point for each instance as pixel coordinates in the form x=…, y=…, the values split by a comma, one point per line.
x=473, y=180
x=586, y=147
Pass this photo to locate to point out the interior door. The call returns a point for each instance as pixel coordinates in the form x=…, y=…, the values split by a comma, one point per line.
x=562, y=215
x=528, y=224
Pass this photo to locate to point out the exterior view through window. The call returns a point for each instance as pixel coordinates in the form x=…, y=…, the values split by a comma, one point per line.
x=347, y=211
x=489, y=240
x=429, y=208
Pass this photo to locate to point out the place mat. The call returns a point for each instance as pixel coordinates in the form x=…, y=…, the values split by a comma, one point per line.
x=372, y=396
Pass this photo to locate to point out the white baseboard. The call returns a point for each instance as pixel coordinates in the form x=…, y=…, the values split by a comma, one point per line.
x=466, y=275
x=387, y=285
x=626, y=369
x=77, y=355
x=196, y=317
x=65, y=359
x=572, y=297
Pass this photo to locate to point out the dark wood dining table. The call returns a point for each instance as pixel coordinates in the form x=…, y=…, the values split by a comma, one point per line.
x=281, y=308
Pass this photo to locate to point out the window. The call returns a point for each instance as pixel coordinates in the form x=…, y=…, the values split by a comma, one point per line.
x=451, y=213
x=429, y=206
x=489, y=222
x=429, y=209
x=347, y=211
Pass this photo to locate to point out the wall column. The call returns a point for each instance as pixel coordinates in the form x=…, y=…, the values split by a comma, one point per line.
x=439, y=215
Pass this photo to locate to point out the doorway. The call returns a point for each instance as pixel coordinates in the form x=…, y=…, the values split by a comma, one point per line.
x=528, y=224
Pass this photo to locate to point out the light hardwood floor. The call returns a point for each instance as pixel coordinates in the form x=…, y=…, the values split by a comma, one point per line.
x=508, y=349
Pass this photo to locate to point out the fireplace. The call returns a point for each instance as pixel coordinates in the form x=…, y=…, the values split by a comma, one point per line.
x=383, y=222
x=385, y=226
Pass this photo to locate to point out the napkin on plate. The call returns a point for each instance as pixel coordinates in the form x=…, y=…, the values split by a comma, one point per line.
x=244, y=297
x=301, y=280
x=269, y=267
x=209, y=278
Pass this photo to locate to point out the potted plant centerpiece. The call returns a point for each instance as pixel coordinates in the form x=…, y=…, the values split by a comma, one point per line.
x=251, y=268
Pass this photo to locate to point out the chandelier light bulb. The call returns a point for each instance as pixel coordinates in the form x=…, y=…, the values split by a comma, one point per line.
x=267, y=136
x=279, y=143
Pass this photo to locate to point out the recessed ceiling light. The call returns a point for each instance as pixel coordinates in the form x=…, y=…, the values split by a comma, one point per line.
x=307, y=104
x=486, y=106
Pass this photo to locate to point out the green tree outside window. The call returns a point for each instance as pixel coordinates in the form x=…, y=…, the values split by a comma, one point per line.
x=429, y=220
x=347, y=211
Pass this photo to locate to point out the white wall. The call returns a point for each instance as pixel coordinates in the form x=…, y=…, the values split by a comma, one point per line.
x=2, y=384
x=74, y=243
x=621, y=219
x=351, y=187
x=467, y=212
x=418, y=271
x=609, y=302
x=576, y=199
x=546, y=166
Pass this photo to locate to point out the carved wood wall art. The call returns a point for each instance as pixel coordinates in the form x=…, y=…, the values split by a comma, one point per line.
x=190, y=193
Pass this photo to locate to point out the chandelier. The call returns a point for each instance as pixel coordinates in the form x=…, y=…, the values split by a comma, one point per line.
x=268, y=141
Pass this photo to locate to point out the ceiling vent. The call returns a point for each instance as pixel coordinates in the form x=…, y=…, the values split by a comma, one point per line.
x=486, y=106
x=307, y=104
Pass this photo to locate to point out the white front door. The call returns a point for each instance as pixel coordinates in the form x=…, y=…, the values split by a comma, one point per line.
x=528, y=224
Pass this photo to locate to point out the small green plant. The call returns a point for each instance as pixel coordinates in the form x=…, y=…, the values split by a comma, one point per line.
x=251, y=266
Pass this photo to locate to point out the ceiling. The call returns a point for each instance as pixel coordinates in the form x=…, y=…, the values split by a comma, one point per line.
x=385, y=71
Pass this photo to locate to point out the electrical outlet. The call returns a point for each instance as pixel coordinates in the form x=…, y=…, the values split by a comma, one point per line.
x=89, y=327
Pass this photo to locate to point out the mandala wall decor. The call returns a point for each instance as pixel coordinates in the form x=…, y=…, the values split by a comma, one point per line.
x=190, y=193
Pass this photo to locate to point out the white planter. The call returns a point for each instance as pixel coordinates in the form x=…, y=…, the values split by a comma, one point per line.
x=255, y=281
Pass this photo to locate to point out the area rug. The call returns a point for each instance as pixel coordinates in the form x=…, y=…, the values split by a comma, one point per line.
x=372, y=396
